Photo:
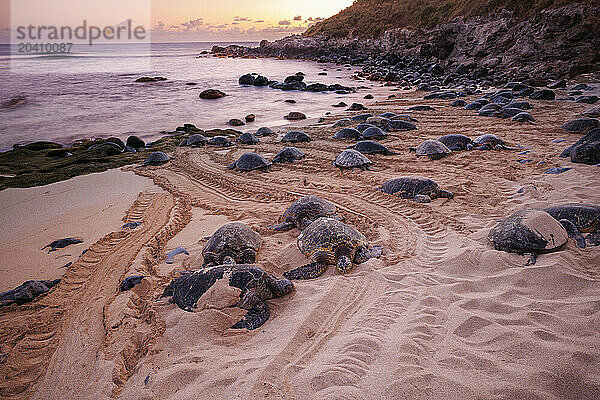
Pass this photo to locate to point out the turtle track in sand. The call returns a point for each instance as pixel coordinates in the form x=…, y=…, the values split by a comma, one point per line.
x=47, y=337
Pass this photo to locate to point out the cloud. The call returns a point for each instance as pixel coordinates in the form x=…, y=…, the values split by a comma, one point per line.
x=298, y=18
x=260, y=21
x=193, y=24
x=241, y=19
x=159, y=26
x=199, y=29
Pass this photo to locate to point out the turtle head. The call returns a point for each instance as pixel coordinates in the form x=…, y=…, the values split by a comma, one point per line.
x=228, y=260
x=304, y=223
x=444, y=194
x=344, y=264
x=363, y=254
x=280, y=287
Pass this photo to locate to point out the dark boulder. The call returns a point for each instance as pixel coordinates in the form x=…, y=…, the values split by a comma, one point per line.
x=261, y=81
x=212, y=94
x=247, y=79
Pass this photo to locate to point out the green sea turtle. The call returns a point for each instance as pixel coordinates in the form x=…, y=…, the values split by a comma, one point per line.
x=232, y=243
x=579, y=218
x=26, y=292
x=296, y=137
x=265, y=131
x=222, y=141
x=350, y=158
x=256, y=287
x=248, y=138
x=157, y=158
x=457, y=142
x=529, y=232
x=288, y=154
x=250, y=162
x=304, y=212
x=581, y=125
x=373, y=133
x=434, y=149
x=416, y=188
x=490, y=141
x=347, y=134
x=195, y=140
x=328, y=241
x=523, y=117
x=372, y=147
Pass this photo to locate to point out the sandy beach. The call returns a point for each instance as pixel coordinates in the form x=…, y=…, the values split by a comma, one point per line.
x=441, y=315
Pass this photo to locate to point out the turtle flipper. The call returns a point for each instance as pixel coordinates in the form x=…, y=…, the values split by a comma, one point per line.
x=531, y=258
x=422, y=198
x=254, y=318
x=286, y=226
x=573, y=232
x=309, y=271
x=593, y=239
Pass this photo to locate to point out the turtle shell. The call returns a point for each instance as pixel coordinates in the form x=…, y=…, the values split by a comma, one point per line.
x=308, y=208
x=456, y=142
x=327, y=238
x=296, y=137
x=289, y=154
x=265, y=131
x=233, y=240
x=374, y=133
x=222, y=141
x=586, y=217
x=248, y=138
x=523, y=117
x=399, y=125
x=157, y=158
x=371, y=147
x=347, y=134
x=407, y=187
x=363, y=127
x=528, y=230
x=250, y=161
x=490, y=139
x=377, y=121
x=351, y=159
x=433, y=149
x=195, y=140
x=189, y=288
x=581, y=125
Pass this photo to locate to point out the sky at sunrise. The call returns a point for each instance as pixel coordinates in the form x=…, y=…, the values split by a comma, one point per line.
x=195, y=20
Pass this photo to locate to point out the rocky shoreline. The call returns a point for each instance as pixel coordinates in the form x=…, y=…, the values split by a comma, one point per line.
x=492, y=50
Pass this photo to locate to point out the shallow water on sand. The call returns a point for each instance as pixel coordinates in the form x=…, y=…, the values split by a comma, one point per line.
x=65, y=107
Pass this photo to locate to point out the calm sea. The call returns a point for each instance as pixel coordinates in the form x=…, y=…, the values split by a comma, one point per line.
x=63, y=107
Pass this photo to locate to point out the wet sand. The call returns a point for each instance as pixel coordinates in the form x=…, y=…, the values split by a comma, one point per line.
x=441, y=315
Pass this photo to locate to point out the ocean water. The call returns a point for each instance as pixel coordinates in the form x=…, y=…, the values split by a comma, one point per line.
x=87, y=102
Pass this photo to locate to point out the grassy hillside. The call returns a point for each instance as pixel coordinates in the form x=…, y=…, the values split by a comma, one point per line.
x=373, y=17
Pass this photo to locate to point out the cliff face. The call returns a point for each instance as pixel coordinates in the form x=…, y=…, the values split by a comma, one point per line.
x=371, y=18
x=555, y=42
